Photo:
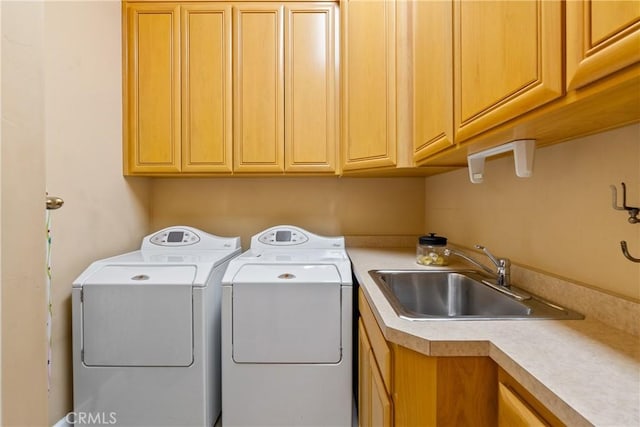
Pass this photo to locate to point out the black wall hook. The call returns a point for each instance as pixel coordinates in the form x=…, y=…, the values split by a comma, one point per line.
x=626, y=253
x=633, y=211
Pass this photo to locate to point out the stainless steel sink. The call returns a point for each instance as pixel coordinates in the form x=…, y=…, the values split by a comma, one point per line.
x=461, y=295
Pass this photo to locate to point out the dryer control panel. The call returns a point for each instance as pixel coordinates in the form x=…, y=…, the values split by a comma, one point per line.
x=185, y=238
x=283, y=236
x=289, y=235
x=175, y=237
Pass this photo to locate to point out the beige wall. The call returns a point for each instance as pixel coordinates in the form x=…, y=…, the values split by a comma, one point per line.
x=104, y=214
x=331, y=206
x=24, y=367
x=560, y=220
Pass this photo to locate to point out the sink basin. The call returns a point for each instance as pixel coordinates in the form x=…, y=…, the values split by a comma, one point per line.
x=460, y=295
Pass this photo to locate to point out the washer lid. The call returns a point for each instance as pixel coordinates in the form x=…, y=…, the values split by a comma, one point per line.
x=143, y=275
x=287, y=273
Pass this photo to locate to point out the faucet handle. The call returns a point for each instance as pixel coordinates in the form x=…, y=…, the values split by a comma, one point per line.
x=489, y=254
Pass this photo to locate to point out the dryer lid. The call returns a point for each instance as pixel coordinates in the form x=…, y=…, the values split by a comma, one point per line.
x=143, y=275
x=288, y=273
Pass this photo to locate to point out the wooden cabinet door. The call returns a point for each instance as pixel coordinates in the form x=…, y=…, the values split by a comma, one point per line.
x=258, y=88
x=507, y=61
x=206, y=88
x=364, y=377
x=310, y=87
x=374, y=404
x=514, y=412
x=432, y=80
x=369, y=83
x=152, y=88
x=602, y=37
x=381, y=415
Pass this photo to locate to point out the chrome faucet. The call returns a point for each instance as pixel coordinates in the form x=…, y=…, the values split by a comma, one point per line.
x=503, y=265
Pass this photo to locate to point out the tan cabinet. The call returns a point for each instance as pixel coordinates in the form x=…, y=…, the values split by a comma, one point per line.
x=602, y=37
x=177, y=88
x=507, y=61
x=258, y=88
x=368, y=83
x=432, y=44
x=206, y=88
x=518, y=408
x=285, y=88
x=508, y=76
x=443, y=391
x=152, y=88
x=312, y=135
x=514, y=412
x=397, y=83
x=201, y=98
x=374, y=372
x=374, y=402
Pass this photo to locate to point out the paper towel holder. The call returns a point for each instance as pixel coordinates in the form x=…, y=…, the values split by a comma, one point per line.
x=523, y=153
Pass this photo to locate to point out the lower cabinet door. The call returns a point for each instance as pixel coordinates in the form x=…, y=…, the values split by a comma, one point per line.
x=514, y=412
x=374, y=404
x=364, y=378
x=380, y=402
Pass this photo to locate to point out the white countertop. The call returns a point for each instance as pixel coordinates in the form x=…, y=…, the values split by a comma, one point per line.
x=585, y=372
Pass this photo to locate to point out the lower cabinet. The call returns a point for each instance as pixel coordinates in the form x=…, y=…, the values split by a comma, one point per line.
x=374, y=402
x=375, y=407
x=402, y=387
x=517, y=407
x=443, y=391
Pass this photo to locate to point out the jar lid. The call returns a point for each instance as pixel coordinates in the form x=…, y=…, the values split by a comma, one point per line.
x=433, y=240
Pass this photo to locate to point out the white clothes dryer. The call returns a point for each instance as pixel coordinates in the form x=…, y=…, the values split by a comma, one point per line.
x=287, y=331
x=146, y=332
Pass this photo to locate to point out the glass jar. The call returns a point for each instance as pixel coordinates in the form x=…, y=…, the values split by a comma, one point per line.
x=430, y=250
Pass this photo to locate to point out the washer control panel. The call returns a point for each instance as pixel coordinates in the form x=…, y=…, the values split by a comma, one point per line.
x=175, y=237
x=283, y=236
x=291, y=237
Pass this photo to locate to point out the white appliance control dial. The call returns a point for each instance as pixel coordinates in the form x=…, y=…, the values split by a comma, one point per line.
x=175, y=237
x=283, y=236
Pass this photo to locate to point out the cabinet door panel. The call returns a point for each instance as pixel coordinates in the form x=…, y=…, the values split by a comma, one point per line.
x=364, y=377
x=259, y=95
x=514, y=412
x=602, y=37
x=153, y=89
x=507, y=61
x=380, y=401
x=310, y=88
x=206, y=93
x=369, y=91
x=432, y=80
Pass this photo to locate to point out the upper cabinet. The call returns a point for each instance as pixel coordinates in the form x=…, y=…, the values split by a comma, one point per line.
x=206, y=88
x=368, y=83
x=258, y=88
x=213, y=87
x=544, y=70
x=507, y=61
x=152, y=132
x=432, y=98
x=285, y=88
x=602, y=37
x=311, y=87
x=177, y=86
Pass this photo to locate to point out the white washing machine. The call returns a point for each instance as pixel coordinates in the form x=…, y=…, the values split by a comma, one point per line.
x=146, y=332
x=286, y=332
